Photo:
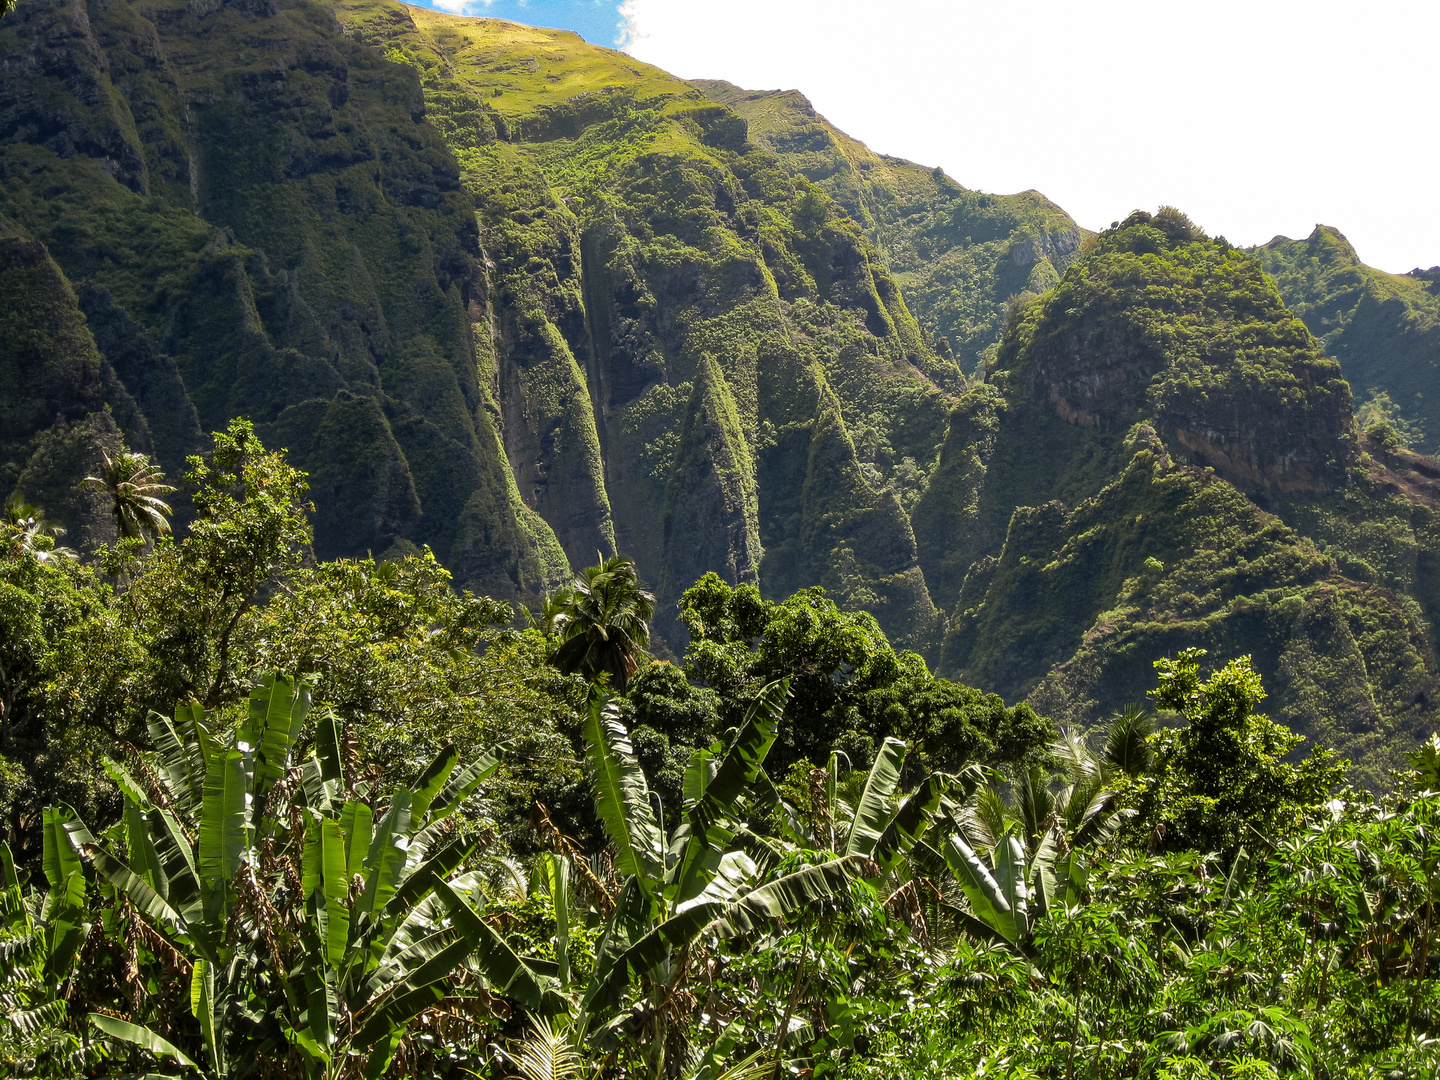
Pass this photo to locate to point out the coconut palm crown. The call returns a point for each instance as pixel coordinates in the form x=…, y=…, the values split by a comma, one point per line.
x=134, y=485
x=27, y=529
x=605, y=622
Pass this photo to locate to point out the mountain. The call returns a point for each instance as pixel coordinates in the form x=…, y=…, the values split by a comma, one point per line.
x=957, y=254
x=1383, y=328
x=1163, y=456
x=255, y=219
x=526, y=300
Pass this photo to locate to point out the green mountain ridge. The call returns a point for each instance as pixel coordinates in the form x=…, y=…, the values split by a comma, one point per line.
x=523, y=299
x=958, y=254
x=1383, y=328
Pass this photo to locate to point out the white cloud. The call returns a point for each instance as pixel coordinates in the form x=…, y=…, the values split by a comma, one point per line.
x=1256, y=117
x=455, y=7
x=630, y=31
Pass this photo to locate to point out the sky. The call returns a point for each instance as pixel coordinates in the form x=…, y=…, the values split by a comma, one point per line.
x=1256, y=117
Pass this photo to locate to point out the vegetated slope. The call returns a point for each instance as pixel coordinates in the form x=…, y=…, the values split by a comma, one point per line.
x=1383, y=328
x=696, y=353
x=958, y=255
x=499, y=291
x=1163, y=456
x=62, y=400
x=256, y=220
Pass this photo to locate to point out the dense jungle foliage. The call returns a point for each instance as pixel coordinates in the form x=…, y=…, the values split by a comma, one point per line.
x=270, y=816
x=519, y=300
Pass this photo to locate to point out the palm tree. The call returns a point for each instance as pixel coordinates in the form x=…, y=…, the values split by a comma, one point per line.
x=25, y=526
x=604, y=622
x=553, y=615
x=134, y=484
x=1082, y=802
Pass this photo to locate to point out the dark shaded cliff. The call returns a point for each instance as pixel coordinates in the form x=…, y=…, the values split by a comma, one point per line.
x=258, y=221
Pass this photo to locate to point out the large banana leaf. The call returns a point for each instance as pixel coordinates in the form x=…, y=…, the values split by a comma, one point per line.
x=743, y=761
x=431, y=781
x=505, y=971
x=377, y=1032
x=1239, y=878
x=1011, y=874
x=910, y=823
x=125, y=782
x=59, y=858
x=698, y=775
x=873, y=812
x=202, y=1007
x=436, y=868
x=622, y=797
x=175, y=852
x=327, y=883
x=782, y=899
x=141, y=894
x=182, y=781
x=357, y=823
x=278, y=707
x=421, y=935
x=225, y=816
x=144, y=857
x=988, y=900
x=389, y=849
x=64, y=910
x=552, y=874
x=141, y=1036
x=629, y=922
x=463, y=783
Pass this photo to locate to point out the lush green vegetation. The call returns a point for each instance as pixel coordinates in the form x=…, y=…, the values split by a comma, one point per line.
x=267, y=816
x=958, y=255
x=1163, y=457
x=280, y=800
x=1383, y=328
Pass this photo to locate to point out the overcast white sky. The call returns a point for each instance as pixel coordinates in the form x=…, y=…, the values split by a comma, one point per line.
x=1256, y=117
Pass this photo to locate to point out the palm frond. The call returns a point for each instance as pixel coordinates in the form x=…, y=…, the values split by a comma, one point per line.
x=547, y=1054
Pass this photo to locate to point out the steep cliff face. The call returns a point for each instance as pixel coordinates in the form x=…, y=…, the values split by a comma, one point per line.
x=699, y=358
x=1116, y=492
x=498, y=291
x=958, y=254
x=259, y=222
x=528, y=301
x=61, y=399
x=1383, y=328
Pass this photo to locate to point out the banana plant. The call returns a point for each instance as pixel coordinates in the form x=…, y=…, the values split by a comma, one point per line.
x=40, y=935
x=211, y=854
x=710, y=878
x=1006, y=891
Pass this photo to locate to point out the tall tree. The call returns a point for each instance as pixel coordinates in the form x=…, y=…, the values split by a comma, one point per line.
x=134, y=485
x=606, y=622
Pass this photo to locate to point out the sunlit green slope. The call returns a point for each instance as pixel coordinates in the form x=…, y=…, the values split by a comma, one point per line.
x=1383, y=328
x=958, y=255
